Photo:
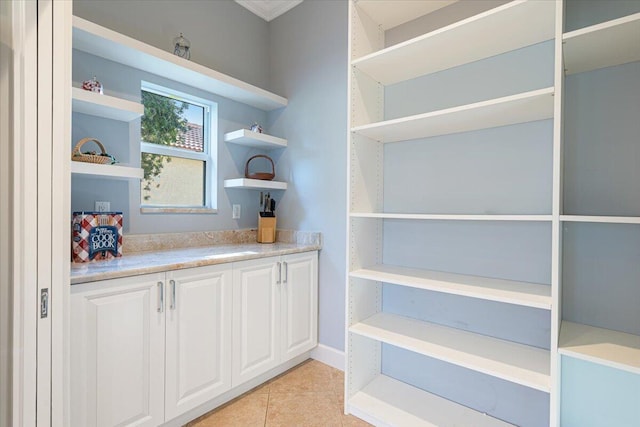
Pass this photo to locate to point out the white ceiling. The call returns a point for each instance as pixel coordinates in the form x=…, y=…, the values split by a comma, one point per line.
x=268, y=9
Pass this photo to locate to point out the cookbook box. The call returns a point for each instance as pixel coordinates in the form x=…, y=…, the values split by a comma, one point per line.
x=96, y=236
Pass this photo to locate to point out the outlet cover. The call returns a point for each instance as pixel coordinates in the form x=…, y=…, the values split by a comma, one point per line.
x=103, y=206
x=236, y=212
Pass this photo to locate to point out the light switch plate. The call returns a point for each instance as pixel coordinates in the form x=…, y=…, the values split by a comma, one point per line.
x=236, y=212
x=103, y=206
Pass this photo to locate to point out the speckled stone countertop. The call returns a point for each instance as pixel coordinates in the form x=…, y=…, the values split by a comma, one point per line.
x=174, y=256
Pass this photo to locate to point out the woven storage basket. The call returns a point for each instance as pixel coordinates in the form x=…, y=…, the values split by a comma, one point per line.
x=78, y=156
x=265, y=176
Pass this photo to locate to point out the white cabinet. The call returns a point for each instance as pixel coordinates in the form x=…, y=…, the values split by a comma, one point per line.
x=117, y=352
x=146, y=349
x=198, y=337
x=275, y=312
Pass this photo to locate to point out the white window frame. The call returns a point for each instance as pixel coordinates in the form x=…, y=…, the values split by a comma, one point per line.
x=209, y=155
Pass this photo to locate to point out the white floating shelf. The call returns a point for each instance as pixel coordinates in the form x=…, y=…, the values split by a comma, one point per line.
x=389, y=402
x=509, y=27
x=603, y=45
x=109, y=171
x=521, y=364
x=509, y=110
x=100, y=41
x=254, y=139
x=601, y=219
x=603, y=346
x=500, y=290
x=108, y=107
x=453, y=217
x=391, y=13
x=254, y=184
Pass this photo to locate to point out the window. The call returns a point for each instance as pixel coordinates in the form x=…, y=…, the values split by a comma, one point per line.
x=178, y=152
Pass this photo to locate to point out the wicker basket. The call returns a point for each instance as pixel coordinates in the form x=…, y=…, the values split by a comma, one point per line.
x=91, y=157
x=265, y=176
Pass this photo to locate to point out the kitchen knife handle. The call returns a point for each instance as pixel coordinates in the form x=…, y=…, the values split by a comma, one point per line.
x=279, y=273
x=160, y=297
x=286, y=272
x=173, y=294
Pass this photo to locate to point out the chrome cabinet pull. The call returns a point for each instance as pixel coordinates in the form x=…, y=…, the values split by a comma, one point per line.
x=161, y=297
x=173, y=294
x=279, y=273
x=286, y=272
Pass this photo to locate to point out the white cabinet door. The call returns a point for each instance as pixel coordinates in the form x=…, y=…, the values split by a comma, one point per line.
x=299, y=304
x=117, y=352
x=256, y=318
x=198, y=337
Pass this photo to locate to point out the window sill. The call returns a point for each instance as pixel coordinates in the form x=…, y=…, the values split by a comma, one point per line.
x=177, y=210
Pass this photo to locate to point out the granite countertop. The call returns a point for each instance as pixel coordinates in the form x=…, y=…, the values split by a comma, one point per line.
x=157, y=261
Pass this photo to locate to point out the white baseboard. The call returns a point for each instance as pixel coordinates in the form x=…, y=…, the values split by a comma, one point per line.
x=329, y=356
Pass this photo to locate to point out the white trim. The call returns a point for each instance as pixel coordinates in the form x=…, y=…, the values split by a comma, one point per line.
x=268, y=9
x=329, y=356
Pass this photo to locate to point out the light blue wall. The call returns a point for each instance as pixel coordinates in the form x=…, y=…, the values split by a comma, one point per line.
x=598, y=396
x=308, y=53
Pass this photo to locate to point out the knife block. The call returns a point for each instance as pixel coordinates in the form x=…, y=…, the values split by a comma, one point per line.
x=266, y=229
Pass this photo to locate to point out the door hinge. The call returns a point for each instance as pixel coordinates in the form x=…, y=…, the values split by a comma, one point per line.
x=44, y=303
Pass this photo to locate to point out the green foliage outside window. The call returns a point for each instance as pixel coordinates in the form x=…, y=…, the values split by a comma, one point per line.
x=162, y=123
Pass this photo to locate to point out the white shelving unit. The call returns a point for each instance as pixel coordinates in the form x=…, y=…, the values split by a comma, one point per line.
x=490, y=289
x=100, y=41
x=254, y=184
x=249, y=138
x=107, y=171
x=371, y=391
x=601, y=219
x=602, y=346
x=106, y=106
x=602, y=45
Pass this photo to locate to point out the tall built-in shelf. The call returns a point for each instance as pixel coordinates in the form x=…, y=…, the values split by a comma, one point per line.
x=100, y=41
x=108, y=107
x=520, y=108
x=249, y=138
x=490, y=289
x=599, y=218
x=389, y=321
x=603, y=45
x=503, y=29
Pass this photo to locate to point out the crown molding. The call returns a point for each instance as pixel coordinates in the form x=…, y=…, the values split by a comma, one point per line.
x=268, y=9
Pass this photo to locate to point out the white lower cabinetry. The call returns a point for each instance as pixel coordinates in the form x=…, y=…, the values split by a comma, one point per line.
x=275, y=312
x=148, y=349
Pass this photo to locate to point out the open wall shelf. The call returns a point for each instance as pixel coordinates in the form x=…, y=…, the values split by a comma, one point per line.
x=105, y=106
x=100, y=41
x=106, y=171
x=254, y=139
x=452, y=217
x=254, y=184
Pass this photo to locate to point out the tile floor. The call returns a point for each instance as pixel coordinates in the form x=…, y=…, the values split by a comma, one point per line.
x=309, y=395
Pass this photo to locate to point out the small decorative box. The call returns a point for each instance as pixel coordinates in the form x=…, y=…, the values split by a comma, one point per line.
x=96, y=236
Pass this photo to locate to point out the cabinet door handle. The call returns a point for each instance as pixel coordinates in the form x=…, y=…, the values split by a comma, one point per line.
x=279, y=273
x=161, y=297
x=173, y=294
x=286, y=272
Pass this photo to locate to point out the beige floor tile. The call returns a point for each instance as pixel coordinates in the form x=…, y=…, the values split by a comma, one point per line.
x=247, y=411
x=308, y=377
x=303, y=409
x=351, y=421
